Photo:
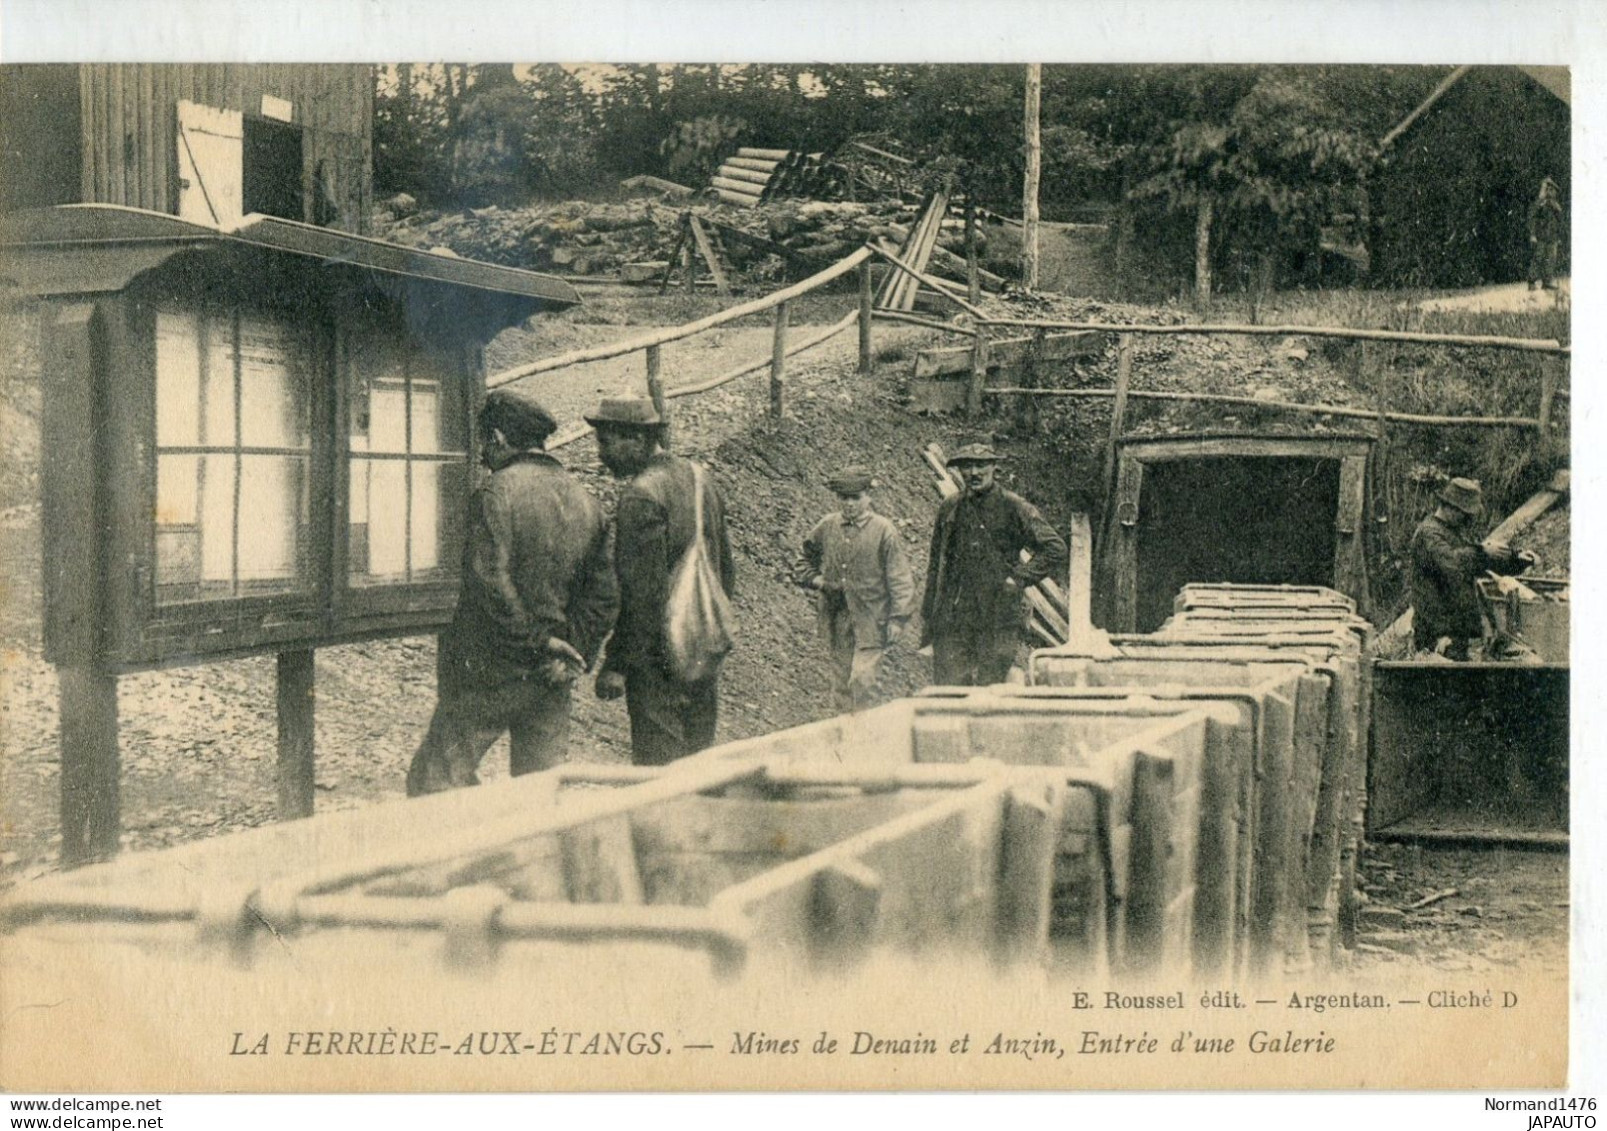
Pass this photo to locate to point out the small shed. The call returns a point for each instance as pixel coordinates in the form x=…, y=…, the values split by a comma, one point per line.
x=259, y=439
x=1241, y=509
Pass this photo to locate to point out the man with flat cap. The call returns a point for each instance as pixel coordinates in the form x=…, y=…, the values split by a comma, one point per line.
x=855, y=562
x=538, y=596
x=1446, y=563
x=974, y=611
x=654, y=524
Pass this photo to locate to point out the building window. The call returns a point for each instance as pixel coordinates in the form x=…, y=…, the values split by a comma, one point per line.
x=409, y=463
x=233, y=448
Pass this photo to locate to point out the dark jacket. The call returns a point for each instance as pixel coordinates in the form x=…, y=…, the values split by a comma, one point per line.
x=653, y=526
x=1446, y=564
x=536, y=564
x=967, y=598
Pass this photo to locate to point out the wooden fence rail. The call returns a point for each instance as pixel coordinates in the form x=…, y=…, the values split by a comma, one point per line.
x=1529, y=345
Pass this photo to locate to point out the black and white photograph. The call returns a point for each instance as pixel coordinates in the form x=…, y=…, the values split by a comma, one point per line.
x=821, y=576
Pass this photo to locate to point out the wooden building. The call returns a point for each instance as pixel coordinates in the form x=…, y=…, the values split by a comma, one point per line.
x=259, y=421
x=210, y=142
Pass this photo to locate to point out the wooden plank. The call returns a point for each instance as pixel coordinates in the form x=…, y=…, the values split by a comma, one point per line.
x=69, y=479
x=1051, y=616
x=736, y=197
x=600, y=862
x=752, y=165
x=295, y=772
x=764, y=154
x=91, y=809
x=701, y=238
x=867, y=298
x=778, y=362
x=1487, y=341
x=1118, y=411
x=1350, y=549
x=929, y=323
x=675, y=333
x=845, y=902
x=1151, y=846
x=937, y=285
x=1079, y=590
x=979, y=375
x=1121, y=540
x=1524, y=517
x=1008, y=353
x=1029, y=840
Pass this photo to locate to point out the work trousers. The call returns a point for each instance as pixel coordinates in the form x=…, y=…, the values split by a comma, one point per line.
x=465, y=724
x=973, y=660
x=669, y=719
x=855, y=668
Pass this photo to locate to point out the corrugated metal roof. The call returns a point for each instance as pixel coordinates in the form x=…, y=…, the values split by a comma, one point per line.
x=92, y=248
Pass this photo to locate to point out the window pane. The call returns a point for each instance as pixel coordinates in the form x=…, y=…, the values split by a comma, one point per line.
x=387, y=416
x=273, y=399
x=217, y=519
x=178, y=490
x=178, y=533
x=426, y=397
x=217, y=404
x=273, y=509
x=386, y=509
x=178, y=380
x=438, y=539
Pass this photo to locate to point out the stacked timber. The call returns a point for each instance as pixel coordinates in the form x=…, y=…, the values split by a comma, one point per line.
x=753, y=175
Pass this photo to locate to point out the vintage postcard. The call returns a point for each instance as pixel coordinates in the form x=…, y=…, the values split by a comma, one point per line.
x=550, y=576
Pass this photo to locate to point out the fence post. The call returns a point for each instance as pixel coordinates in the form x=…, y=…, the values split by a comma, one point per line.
x=1118, y=411
x=1549, y=367
x=979, y=372
x=1031, y=378
x=689, y=255
x=655, y=390
x=295, y=703
x=778, y=360
x=867, y=296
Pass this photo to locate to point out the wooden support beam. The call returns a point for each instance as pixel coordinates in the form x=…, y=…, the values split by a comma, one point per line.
x=91, y=810
x=674, y=258
x=844, y=907
x=1009, y=353
x=1525, y=516
x=701, y=238
x=979, y=375
x=655, y=389
x=867, y=299
x=296, y=755
x=1118, y=412
x=1080, y=587
x=1031, y=836
x=778, y=362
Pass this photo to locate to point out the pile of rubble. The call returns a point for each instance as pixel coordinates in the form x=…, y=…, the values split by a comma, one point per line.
x=775, y=240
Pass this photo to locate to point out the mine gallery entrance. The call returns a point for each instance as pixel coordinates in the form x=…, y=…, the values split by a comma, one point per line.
x=1247, y=521
x=1241, y=509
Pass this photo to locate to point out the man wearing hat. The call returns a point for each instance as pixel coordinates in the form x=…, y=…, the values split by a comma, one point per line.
x=854, y=560
x=974, y=611
x=653, y=525
x=537, y=597
x=1446, y=563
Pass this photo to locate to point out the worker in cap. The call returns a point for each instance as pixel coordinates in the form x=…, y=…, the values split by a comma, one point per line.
x=536, y=598
x=1446, y=561
x=974, y=612
x=854, y=561
x=654, y=523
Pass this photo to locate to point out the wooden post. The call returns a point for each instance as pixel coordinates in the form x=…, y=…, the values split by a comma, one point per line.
x=655, y=390
x=867, y=299
x=973, y=280
x=1029, y=191
x=778, y=361
x=689, y=254
x=1118, y=410
x=1549, y=367
x=1031, y=378
x=979, y=373
x=90, y=801
x=1080, y=585
x=295, y=734
x=1202, y=250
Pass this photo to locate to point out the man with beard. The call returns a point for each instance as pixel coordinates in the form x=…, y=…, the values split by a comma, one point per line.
x=654, y=524
x=537, y=598
x=974, y=612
